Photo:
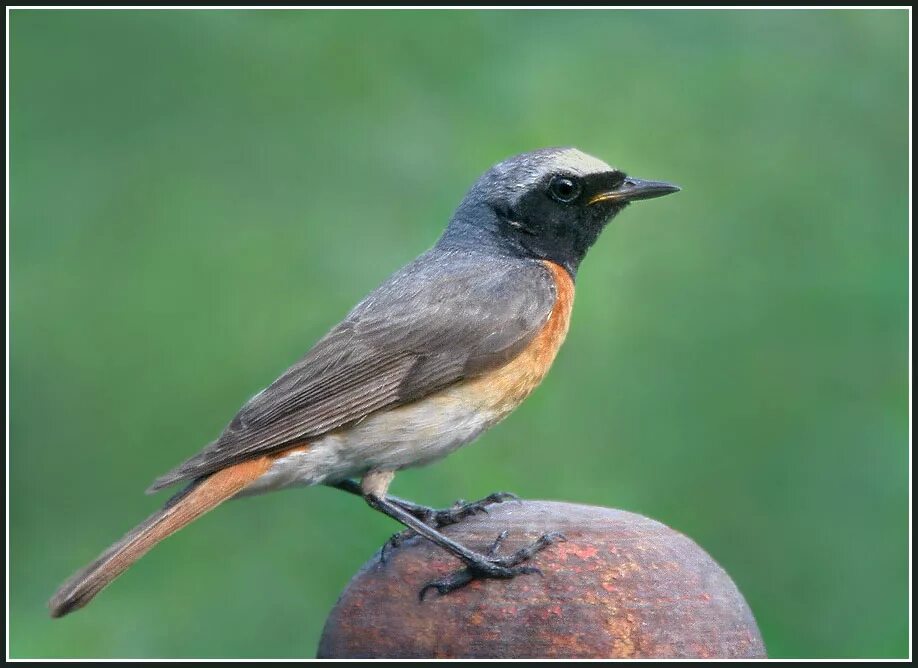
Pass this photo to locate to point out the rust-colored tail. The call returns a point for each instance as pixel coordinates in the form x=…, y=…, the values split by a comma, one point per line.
x=183, y=509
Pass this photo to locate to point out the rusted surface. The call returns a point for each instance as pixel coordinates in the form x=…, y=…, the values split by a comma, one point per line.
x=621, y=586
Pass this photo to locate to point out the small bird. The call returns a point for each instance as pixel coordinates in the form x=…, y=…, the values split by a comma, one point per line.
x=444, y=349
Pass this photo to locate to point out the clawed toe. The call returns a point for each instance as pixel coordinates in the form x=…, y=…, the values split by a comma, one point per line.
x=394, y=541
x=500, y=497
x=451, y=582
x=481, y=506
x=492, y=566
x=460, y=578
x=495, y=546
x=462, y=509
x=530, y=550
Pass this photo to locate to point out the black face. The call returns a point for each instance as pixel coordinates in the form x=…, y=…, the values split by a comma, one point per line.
x=549, y=204
x=563, y=214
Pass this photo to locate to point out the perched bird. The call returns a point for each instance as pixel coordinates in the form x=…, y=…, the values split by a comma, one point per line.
x=441, y=351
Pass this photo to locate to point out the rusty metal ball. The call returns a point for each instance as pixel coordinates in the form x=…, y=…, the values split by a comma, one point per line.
x=622, y=585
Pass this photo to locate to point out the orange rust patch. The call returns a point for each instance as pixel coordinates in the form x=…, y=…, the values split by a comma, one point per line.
x=623, y=632
x=581, y=551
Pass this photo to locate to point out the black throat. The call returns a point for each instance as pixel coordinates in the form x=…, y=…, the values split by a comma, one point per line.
x=478, y=226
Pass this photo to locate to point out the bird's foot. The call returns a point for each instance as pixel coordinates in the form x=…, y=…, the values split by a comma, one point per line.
x=439, y=518
x=492, y=566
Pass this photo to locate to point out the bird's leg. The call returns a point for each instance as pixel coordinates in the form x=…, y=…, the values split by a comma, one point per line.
x=433, y=517
x=353, y=487
x=460, y=578
x=436, y=517
x=476, y=565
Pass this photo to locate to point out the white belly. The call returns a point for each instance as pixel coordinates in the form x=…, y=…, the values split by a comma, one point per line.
x=412, y=435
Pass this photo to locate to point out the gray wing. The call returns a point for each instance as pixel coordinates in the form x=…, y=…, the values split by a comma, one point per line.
x=446, y=316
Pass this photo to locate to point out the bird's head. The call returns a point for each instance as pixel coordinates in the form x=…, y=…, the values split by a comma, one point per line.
x=548, y=204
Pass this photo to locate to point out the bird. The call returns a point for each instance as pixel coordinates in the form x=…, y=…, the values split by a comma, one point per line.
x=441, y=351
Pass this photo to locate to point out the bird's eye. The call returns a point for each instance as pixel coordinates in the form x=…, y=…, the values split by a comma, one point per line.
x=564, y=189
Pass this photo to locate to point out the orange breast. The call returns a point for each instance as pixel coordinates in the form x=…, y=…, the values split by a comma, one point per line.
x=504, y=388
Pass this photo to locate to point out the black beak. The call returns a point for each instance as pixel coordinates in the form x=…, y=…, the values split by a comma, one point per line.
x=633, y=189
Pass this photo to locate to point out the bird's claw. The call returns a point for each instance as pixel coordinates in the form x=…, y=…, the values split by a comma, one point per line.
x=458, y=511
x=493, y=567
x=394, y=541
x=462, y=509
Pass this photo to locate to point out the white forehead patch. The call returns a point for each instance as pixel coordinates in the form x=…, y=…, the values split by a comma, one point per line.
x=578, y=163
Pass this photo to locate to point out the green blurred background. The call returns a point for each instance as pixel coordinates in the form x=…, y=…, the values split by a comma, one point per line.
x=197, y=196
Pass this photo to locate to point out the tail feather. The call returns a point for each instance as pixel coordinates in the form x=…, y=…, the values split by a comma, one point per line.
x=182, y=509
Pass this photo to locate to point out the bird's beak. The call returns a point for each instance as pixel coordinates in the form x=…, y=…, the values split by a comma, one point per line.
x=633, y=189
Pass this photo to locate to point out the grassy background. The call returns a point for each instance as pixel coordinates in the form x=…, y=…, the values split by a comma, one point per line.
x=197, y=196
